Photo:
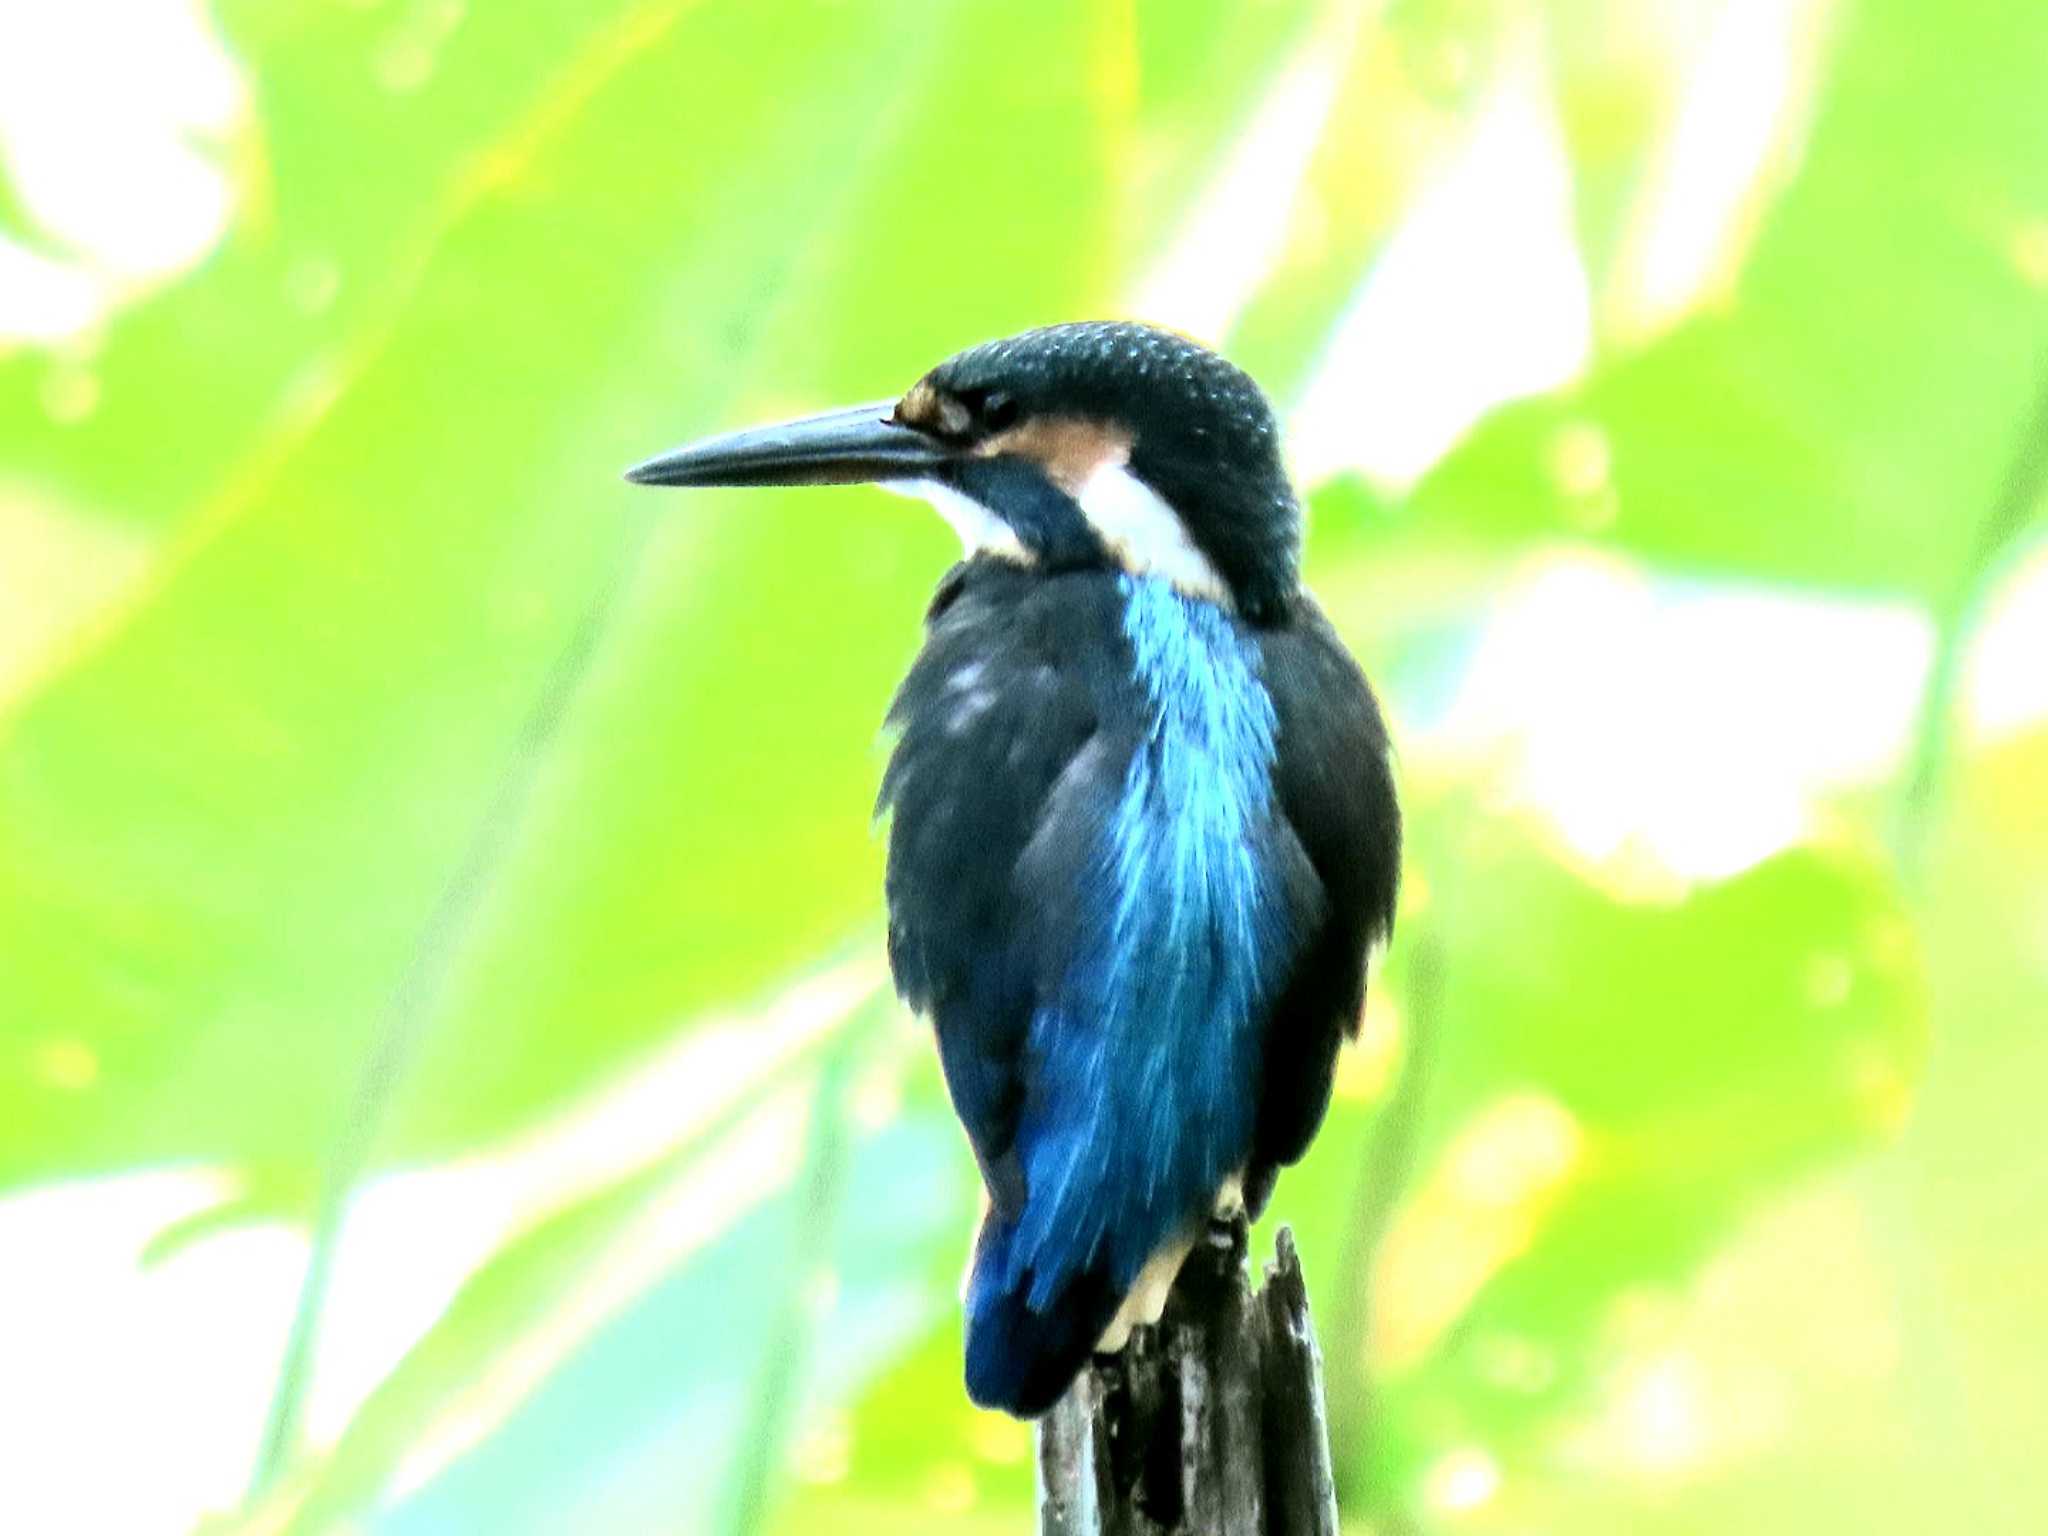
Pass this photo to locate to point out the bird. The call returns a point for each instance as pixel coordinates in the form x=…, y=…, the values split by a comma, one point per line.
x=1143, y=829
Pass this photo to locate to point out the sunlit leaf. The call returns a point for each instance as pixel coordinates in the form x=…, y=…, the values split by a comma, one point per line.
x=1611, y=1086
x=1848, y=417
x=377, y=772
x=242, y=808
x=376, y=131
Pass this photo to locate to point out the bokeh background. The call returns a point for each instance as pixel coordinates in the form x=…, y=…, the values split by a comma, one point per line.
x=447, y=1081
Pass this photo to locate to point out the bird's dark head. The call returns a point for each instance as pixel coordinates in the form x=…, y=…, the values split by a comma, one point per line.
x=1098, y=443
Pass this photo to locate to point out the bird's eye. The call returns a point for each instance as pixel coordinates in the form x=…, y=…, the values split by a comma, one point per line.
x=998, y=410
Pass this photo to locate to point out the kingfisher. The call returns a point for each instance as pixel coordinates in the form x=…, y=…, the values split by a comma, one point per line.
x=1143, y=830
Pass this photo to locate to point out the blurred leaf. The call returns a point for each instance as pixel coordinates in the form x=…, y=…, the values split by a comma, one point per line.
x=606, y=1443
x=205, y=385
x=1614, y=1085
x=562, y=1322
x=915, y=1445
x=1617, y=69
x=1403, y=99
x=363, y=456
x=1961, y=1197
x=716, y=829
x=1853, y=1353
x=1199, y=67
x=1848, y=417
x=1747, y=995
x=223, y=831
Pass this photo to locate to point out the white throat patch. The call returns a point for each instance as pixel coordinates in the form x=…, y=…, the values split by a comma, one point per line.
x=1141, y=532
x=980, y=530
x=1144, y=534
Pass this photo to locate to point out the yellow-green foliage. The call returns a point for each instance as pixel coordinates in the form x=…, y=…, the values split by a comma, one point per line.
x=433, y=867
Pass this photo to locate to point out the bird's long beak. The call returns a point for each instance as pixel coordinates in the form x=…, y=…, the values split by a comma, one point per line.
x=836, y=448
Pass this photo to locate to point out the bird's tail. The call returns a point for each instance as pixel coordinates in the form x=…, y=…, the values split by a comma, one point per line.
x=1021, y=1358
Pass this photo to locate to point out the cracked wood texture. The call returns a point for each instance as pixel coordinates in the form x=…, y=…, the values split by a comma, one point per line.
x=1210, y=1424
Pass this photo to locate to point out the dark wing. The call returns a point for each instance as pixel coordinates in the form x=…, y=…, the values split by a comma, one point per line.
x=999, y=706
x=1336, y=789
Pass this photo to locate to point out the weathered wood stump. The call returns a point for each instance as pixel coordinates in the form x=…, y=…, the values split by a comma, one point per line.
x=1210, y=1424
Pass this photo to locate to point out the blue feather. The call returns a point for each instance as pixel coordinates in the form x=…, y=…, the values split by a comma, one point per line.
x=1146, y=1060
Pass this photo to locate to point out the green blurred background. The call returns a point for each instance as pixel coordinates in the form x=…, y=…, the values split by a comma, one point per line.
x=446, y=1078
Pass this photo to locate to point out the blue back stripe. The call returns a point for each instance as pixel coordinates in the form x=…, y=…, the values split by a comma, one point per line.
x=1148, y=1057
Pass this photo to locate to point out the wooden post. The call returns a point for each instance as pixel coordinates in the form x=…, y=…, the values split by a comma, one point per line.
x=1210, y=1424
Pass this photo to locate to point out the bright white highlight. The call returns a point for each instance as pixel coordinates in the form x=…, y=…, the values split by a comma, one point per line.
x=162, y=1371
x=1462, y=1481
x=1480, y=297
x=1690, y=730
x=980, y=530
x=118, y=173
x=1144, y=534
x=1737, y=108
x=44, y=300
x=2005, y=686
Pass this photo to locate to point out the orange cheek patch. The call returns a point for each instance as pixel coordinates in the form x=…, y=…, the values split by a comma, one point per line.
x=1070, y=447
